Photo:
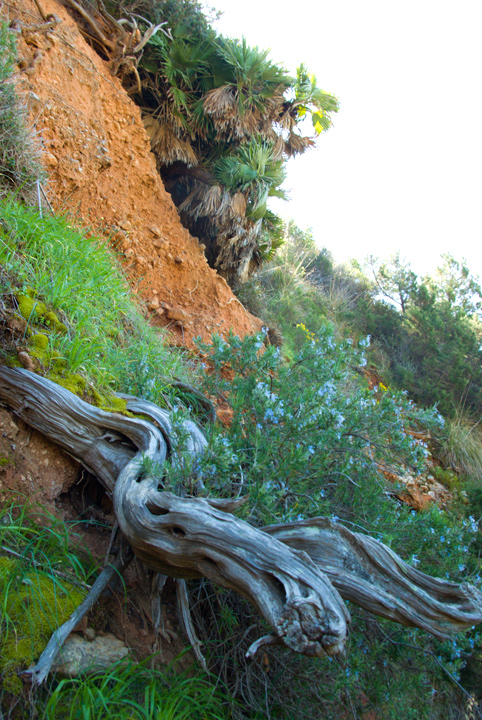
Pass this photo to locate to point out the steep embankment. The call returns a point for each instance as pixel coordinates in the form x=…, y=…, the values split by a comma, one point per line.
x=101, y=169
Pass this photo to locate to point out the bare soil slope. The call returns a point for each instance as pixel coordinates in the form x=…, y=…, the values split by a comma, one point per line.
x=100, y=167
x=101, y=171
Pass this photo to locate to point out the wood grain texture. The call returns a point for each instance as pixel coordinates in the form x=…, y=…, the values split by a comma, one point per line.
x=296, y=575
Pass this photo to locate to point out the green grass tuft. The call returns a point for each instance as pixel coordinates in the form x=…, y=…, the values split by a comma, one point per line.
x=83, y=320
x=19, y=155
x=131, y=691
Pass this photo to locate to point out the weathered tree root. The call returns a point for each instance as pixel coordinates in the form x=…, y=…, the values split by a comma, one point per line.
x=295, y=575
x=39, y=672
x=188, y=538
x=372, y=576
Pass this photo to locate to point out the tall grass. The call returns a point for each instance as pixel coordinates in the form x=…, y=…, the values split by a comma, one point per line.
x=108, y=339
x=302, y=285
x=19, y=154
x=461, y=446
x=136, y=691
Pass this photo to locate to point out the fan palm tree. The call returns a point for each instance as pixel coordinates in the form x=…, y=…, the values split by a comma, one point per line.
x=222, y=119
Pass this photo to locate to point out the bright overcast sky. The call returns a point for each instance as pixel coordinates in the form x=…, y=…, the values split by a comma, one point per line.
x=401, y=167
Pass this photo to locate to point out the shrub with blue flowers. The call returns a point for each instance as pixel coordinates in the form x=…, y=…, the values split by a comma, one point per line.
x=310, y=437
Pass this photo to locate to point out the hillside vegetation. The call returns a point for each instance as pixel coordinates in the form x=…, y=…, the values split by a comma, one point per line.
x=325, y=413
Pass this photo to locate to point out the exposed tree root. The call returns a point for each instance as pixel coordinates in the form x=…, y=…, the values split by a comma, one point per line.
x=40, y=671
x=296, y=575
x=372, y=576
x=120, y=40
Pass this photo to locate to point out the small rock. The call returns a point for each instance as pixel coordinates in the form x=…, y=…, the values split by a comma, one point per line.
x=158, y=243
x=155, y=231
x=34, y=102
x=50, y=161
x=52, y=38
x=106, y=162
x=32, y=38
x=177, y=314
x=159, y=311
x=83, y=656
x=178, y=260
x=89, y=634
x=154, y=304
x=26, y=361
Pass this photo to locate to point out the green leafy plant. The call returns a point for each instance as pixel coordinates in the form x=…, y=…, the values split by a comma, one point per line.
x=19, y=158
x=42, y=580
x=60, y=273
x=135, y=691
x=309, y=437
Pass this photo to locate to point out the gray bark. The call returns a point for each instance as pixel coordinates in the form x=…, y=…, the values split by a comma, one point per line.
x=296, y=575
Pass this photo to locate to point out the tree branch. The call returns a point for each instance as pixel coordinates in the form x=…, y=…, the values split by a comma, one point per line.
x=295, y=574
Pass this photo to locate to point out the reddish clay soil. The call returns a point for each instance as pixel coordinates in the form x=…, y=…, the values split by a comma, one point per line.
x=102, y=171
x=31, y=468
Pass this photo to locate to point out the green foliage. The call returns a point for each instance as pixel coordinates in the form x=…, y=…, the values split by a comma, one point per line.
x=186, y=18
x=224, y=106
x=300, y=285
x=454, y=282
x=252, y=167
x=309, y=437
x=434, y=343
x=394, y=279
x=42, y=581
x=19, y=166
x=135, y=691
x=310, y=99
x=104, y=341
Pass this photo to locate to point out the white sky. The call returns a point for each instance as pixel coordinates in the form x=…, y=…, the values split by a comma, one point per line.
x=401, y=167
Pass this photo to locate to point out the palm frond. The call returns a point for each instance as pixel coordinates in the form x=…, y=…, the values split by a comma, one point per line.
x=166, y=145
x=234, y=174
x=320, y=122
x=221, y=100
x=272, y=236
x=296, y=144
x=207, y=201
x=278, y=148
x=238, y=204
x=325, y=101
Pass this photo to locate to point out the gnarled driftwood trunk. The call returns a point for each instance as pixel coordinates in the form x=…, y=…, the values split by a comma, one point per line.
x=296, y=575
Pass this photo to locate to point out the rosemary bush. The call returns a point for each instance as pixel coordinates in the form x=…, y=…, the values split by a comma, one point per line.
x=309, y=437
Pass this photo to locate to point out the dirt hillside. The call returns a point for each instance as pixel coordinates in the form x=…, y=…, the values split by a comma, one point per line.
x=101, y=170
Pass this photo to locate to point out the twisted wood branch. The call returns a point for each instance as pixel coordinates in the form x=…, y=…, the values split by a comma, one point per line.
x=295, y=574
